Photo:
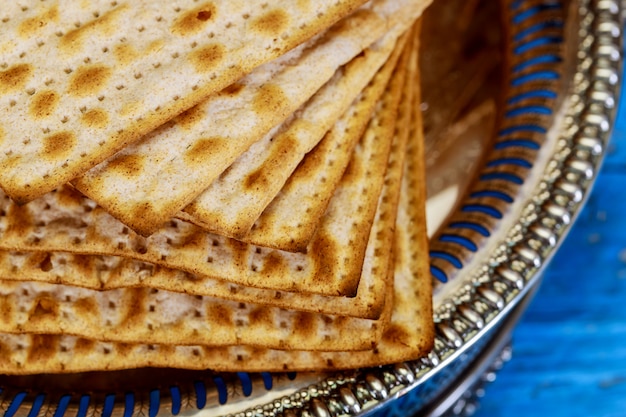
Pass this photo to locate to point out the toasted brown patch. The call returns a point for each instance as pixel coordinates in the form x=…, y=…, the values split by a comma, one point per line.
x=15, y=77
x=259, y=178
x=190, y=117
x=269, y=98
x=97, y=118
x=397, y=335
x=125, y=53
x=274, y=263
x=89, y=80
x=194, y=20
x=30, y=27
x=203, y=149
x=19, y=220
x=72, y=41
x=206, y=58
x=219, y=314
x=7, y=303
x=58, y=145
x=86, y=307
x=84, y=345
x=305, y=323
x=128, y=165
x=136, y=301
x=233, y=89
x=43, y=104
x=45, y=306
x=131, y=108
x=271, y=23
x=261, y=315
x=43, y=347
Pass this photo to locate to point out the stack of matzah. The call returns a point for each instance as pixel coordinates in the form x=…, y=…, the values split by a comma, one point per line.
x=233, y=185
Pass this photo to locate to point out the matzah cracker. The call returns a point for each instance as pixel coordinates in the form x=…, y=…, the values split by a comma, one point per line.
x=64, y=221
x=147, y=183
x=146, y=315
x=105, y=272
x=409, y=336
x=73, y=99
x=231, y=204
x=292, y=218
x=152, y=316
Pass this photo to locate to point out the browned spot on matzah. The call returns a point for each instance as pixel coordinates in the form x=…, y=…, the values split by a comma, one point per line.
x=271, y=23
x=7, y=303
x=207, y=57
x=274, y=263
x=5, y=351
x=30, y=27
x=261, y=315
x=86, y=307
x=397, y=335
x=233, y=89
x=45, y=306
x=97, y=118
x=128, y=165
x=219, y=314
x=43, y=104
x=305, y=323
x=89, y=80
x=203, y=149
x=84, y=345
x=69, y=197
x=135, y=300
x=194, y=20
x=323, y=264
x=15, y=77
x=19, y=220
x=58, y=145
x=43, y=347
x=269, y=98
x=131, y=108
x=258, y=179
x=125, y=53
x=72, y=41
x=190, y=117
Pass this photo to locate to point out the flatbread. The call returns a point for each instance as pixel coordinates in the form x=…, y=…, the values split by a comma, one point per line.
x=146, y=315
x=232, y=203
x=410, y=335
x=118, y=70
x=65, y=221
x=189, y=153
x=111, y=272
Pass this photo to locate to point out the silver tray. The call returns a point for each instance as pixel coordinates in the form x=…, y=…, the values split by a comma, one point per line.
x=499, y=206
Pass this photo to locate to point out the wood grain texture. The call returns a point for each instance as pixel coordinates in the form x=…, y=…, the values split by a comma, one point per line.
x=569, y=350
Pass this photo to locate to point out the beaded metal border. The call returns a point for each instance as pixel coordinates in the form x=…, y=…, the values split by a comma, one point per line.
x=507, y=276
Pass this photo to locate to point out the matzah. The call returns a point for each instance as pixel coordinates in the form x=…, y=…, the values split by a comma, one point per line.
x=64, y=221
x=409, y=336
x=112, y=272
x=191, y=151
x=231, y=204
x=107, y=87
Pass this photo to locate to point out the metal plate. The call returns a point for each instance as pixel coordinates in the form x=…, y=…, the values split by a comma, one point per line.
x=507, y=200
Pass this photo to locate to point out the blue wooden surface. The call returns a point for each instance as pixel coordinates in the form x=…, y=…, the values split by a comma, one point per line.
x=569, y=356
